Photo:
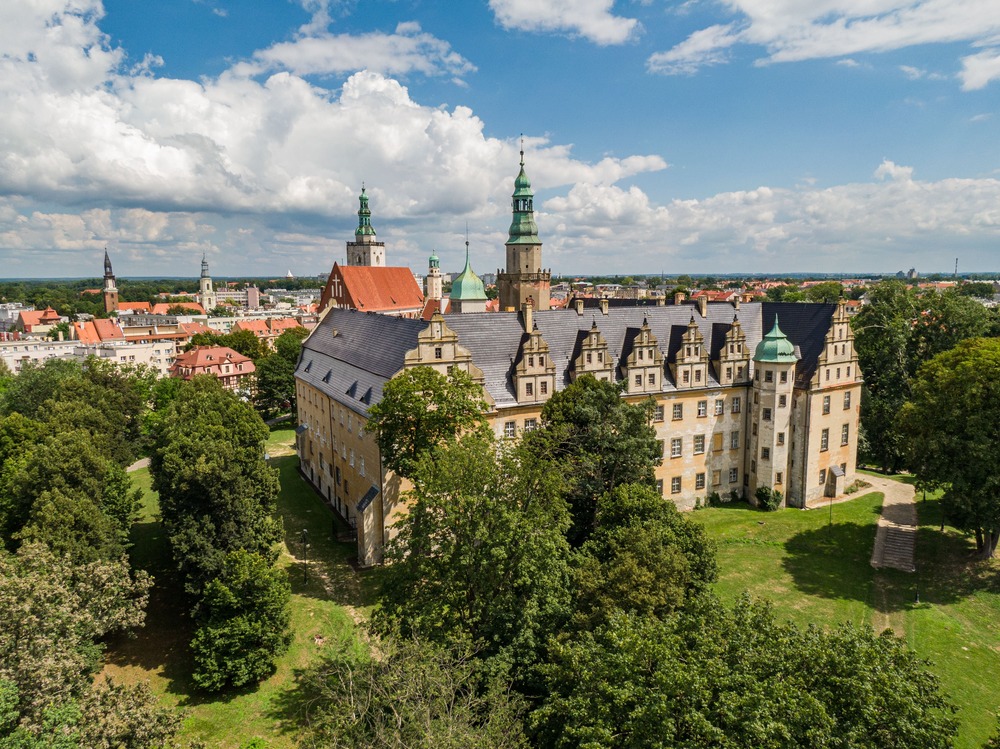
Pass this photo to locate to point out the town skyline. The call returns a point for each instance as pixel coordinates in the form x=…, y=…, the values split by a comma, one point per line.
x=705, y=137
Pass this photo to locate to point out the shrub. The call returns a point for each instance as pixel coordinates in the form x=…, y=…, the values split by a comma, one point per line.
x=768, y=499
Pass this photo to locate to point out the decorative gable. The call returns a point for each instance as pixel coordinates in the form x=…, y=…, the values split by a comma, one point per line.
x=534, y=372
x=690, y=365
x=592, y=355
x=642, y=361
x=733, y=364
x=438, y=347
x=838, y=362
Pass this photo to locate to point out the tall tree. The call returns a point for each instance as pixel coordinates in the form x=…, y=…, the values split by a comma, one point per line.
x=276, y=373
x=421, y=409
x=600, y=441
x=952, y=428
x=736, y=679
x=481, y=554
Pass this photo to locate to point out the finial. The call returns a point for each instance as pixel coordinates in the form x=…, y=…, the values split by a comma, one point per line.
x=522, y=149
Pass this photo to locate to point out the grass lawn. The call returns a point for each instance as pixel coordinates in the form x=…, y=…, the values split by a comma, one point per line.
x=815, y=572
x=327, y=601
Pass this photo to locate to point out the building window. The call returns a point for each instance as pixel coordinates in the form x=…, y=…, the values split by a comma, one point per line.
x=784, y=377
x=736, y=405
x=734, y=475
x=822, y=477
x=734, y=440
x=685, y=377
x=675, y=485
x=720, y=406
x=652, y=379
x=438, y=354
x=678, y=411
x=753, y=466
x=699, y=444
x=729, y=373
x=702, y=408
x=782, y=401
x=716, y=478
x=697, y=375
x=847, y=400
x=739, y=373
x=675, y=447
x=659, y=487
x=778, y=477
x=717, y=442
x=838, y=373
x=530, y=425
x=661, y=448
x=765, y=453
x=640, y=354
x=699, y=481
x=352, y=458
x=826, y=404
x=766, y=414
x=638, y=380
x=824, y=440
x=529, y=389
x=543, y=387
x=510, y=429
x=658, y=414
x=361, y=468
x=781, y=438
x=589, y=357
x=769, y=376
x=845, y=434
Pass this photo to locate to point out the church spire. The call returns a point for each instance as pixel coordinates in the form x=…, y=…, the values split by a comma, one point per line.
x=365, y=227
x=204, y=266
x=108, y=273
x=523, y=229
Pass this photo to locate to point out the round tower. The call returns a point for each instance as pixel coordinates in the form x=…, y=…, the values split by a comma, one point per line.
x=433, y=287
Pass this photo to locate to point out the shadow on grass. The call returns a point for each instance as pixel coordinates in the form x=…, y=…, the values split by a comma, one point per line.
x=327, y=568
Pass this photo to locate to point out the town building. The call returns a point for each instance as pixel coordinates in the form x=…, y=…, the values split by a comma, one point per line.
x=235, y=371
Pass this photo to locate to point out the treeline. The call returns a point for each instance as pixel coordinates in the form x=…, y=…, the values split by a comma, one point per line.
x=67, y=433
x=541, y=593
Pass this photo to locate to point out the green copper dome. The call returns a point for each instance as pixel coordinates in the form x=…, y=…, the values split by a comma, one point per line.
x=523, y=229
x=434, y=261
x=468, y=287
x=364, y=217
x=775, y=348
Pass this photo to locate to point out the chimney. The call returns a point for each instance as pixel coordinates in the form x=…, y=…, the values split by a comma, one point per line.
x=578, y=303
x=679, y=297
x=527, y=314
x=604, y=305
x=703, y=306
x=736, y=302
x=661, y=301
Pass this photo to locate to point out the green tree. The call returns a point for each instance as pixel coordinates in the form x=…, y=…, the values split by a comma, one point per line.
x=644, y=557
x=217, y=493
x=828, y=292
x=979, y=289
x=415, y=694
x=422, y=409
x=55, y=611
x=481, y=554
x=734, y=678
x=243, y=620
x=276, y=373
x=37, y=383
x=241, y=341
x=951, y=426
x=600, y=441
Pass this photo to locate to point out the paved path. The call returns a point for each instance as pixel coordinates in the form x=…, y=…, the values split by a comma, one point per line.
x=141, y=463
x=897, y=525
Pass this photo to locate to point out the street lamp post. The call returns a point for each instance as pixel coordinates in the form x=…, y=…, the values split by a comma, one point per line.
x=305, y=554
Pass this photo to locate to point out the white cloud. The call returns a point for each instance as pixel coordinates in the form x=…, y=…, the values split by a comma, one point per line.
x=591, y=19
x=980, y=69
x=794, y=30
x=408, y=50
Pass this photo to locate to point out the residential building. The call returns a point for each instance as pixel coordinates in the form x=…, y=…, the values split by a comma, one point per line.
x=234, y=370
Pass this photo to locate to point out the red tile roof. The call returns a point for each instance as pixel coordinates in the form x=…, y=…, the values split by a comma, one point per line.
x=435, y=305
x=135, y=306
x=163, y=308
x=220, y=361
x=373, y=289
x=281, y=324
x=257, y=327
x=95, y=331
x=30, y=318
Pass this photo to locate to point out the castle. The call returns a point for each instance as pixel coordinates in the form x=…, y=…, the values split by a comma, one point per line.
x=746, y=395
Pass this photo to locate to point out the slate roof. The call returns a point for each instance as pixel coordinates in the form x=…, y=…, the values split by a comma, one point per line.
x=353, y=349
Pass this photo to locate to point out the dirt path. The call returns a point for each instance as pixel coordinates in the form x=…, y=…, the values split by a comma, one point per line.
x=896, y=538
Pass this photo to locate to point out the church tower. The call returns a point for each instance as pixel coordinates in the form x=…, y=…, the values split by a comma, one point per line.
x=364, y=250
x=206, y=295
x=433, y=286
x=110, y=289
x=524, y=277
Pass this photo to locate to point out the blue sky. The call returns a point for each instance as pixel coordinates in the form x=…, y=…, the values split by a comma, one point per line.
x=761, y=136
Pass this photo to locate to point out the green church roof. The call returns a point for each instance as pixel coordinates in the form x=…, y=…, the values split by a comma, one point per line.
x=467, y=286
x=364, y=217
x=523, y=229
x=775, y=348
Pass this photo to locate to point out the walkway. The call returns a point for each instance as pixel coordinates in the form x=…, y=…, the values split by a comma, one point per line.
x=897, y=525
x=139, y=464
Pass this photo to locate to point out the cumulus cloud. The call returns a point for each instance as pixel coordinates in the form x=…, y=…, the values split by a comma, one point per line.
x=794, y=30
x=860, y=226
x=408, y=50
x=590, y=19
